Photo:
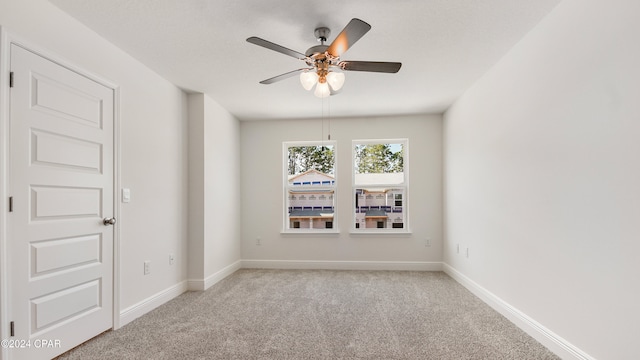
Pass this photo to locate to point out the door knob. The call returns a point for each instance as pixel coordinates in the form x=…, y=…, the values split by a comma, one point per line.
x=109, y=221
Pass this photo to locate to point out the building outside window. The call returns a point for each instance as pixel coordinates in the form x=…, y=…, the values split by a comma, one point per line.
x=310, y=186
x=380, y=185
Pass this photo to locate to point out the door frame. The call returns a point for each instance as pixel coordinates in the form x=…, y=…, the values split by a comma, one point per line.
x=6, y=40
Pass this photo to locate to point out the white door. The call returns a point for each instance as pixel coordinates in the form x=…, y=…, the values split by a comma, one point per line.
x=61, y=184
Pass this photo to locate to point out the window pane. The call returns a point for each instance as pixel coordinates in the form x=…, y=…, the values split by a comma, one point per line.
x=378, y=208
x=379, y=163
x=309, y=209
x=305, y=158
x=379, y=158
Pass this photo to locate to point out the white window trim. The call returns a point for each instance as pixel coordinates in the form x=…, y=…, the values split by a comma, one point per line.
x=285, y=189
x=405, y=185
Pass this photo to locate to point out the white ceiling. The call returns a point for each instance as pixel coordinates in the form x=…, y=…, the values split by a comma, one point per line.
x=200, y=45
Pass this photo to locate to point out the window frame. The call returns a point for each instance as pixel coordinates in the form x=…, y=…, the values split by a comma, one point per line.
x=404, y=186
x=286, y=229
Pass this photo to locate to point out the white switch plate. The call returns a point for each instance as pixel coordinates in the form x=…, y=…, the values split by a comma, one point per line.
x=126, y=195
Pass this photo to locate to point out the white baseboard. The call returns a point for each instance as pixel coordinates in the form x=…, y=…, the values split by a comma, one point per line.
x=546, y=337
x=204, y=284
x=133, y=312
x=342, y=265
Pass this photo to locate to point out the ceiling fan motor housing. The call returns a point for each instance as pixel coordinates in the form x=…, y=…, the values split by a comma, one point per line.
x=322, y=34
x=315, y=50
x=318, y=57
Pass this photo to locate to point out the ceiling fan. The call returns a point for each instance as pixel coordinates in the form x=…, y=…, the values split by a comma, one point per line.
x=324, y=67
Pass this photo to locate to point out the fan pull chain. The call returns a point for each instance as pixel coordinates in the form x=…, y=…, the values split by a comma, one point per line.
x=329, y=117
x=322, y=118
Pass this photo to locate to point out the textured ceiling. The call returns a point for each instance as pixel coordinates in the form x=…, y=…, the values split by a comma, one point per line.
x=200, y=45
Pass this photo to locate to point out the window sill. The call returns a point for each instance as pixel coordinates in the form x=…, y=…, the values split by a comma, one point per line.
x=354, y=232
x=310, y=232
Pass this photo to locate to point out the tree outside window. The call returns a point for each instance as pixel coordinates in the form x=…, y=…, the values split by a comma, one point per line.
x=310, y=157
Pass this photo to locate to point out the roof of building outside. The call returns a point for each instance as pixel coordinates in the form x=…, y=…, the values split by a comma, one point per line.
x=376, y=213
x=309, y=172
x=311, y=213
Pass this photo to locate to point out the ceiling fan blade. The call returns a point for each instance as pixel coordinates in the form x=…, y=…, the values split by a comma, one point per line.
x=275, y=47
x=283, y=76
x=351, y=33
x=373, y=66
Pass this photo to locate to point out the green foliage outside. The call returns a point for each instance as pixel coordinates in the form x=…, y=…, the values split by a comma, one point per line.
x=305, y=158
x=370, y=158
x=379, y=158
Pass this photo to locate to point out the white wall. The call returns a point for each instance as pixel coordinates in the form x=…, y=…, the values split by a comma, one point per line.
x=153, y=145
x=543, y=172
x=214, y=192
x=197, y=166
x=262, y=193
x=222, y=181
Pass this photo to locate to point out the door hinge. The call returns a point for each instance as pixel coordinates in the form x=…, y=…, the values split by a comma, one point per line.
x=10, y=203
x=11, y=79
x=12, y=329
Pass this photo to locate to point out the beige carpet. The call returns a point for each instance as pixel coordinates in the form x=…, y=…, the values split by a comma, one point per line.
x=319, y=314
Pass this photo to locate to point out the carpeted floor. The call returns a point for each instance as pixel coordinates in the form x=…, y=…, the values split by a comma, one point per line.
x=320, y=314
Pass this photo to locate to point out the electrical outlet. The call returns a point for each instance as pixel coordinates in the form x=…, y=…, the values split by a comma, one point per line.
x=427, y=242
x=171, y=259
x=147, y=267
x=258, y=241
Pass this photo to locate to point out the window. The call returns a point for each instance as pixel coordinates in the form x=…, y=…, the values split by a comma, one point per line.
x=310, y=186
x=380, y=185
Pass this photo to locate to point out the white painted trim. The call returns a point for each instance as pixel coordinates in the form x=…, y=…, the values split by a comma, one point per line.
x=388, y=232
x=342, y=265
x=133, y=312
x=204, y=284
x=546, y=337
x=117, y=205
x=4, y=208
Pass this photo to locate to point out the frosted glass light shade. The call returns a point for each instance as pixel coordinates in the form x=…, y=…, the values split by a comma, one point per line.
x=335, y=80
x=308, y=79
x=322, y=90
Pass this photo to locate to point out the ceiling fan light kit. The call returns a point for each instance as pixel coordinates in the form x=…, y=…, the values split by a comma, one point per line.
x=308, y=79
x=325, y=69
x=335, y=80
x=322, y=90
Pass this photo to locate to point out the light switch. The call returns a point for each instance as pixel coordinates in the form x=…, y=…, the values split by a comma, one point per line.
x=126, y=195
